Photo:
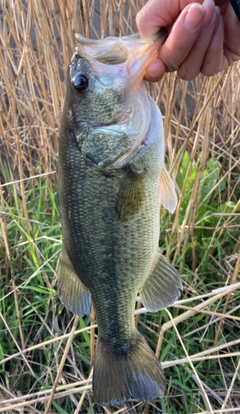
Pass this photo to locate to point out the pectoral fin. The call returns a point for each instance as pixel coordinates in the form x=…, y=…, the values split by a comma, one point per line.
x=168, y=195
x=72, y=291
x=130, y=196
x=161, y=288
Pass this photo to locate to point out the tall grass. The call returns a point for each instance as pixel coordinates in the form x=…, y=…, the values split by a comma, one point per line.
x=45, y=352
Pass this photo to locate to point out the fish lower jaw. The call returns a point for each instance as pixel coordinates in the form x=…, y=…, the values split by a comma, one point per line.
x=138, y=148
x=126, y=158
x=119, y=122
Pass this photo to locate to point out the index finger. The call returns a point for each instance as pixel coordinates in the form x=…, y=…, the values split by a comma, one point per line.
x=179, y=43
x=158, y=13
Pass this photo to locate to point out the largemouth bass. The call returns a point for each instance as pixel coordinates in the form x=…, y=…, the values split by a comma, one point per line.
x=111, y=181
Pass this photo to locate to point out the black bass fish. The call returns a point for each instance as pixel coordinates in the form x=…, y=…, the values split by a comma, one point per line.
x=111, y=181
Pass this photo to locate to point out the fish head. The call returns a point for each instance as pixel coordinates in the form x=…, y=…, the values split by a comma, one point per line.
x=107, y=97
x=96, y=97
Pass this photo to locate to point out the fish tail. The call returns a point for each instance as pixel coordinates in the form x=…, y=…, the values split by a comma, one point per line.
x=130, y=371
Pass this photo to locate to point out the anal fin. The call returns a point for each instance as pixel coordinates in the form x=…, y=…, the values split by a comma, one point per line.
x=72, y=292
x=162, y=287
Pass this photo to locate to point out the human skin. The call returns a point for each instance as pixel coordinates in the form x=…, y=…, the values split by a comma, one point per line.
x=203, y=37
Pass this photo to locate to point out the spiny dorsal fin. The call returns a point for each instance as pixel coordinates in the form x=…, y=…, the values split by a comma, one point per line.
x=72, y=292
x=130, y=196
x=168, y=195
x=161, y=289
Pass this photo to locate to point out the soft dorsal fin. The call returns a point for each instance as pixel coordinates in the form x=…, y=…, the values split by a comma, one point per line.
x=72, y=292
x=168, y=196
x=162, y=287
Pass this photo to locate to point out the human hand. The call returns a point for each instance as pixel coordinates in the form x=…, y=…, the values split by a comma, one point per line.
x=202, y=38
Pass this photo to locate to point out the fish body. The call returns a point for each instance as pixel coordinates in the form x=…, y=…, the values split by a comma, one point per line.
x=111, y=181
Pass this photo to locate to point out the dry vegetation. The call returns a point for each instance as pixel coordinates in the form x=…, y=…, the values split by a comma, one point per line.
x=46, y=353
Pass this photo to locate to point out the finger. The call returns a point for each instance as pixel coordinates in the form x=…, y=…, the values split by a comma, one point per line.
x=179, y=42
x=191, y=67
x=231, y=35
x=182, y=37
x=214, y=60
x=156, y=14
x=155, y=71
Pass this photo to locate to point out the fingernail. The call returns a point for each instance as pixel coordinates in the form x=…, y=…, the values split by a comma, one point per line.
x=209, y=6
x=194, y=17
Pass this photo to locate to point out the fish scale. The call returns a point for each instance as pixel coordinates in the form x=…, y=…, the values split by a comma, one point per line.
x=111, y=181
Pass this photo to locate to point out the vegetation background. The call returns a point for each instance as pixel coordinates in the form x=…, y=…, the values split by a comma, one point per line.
x=45, y=352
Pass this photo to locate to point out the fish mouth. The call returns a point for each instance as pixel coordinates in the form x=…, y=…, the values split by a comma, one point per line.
x=131, y=51
x=124, y=133
x=115, y=50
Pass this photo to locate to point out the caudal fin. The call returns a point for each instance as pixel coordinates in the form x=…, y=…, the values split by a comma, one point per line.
x=130, y=371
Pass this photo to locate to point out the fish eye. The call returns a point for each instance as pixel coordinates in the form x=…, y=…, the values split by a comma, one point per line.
x=80, y=82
